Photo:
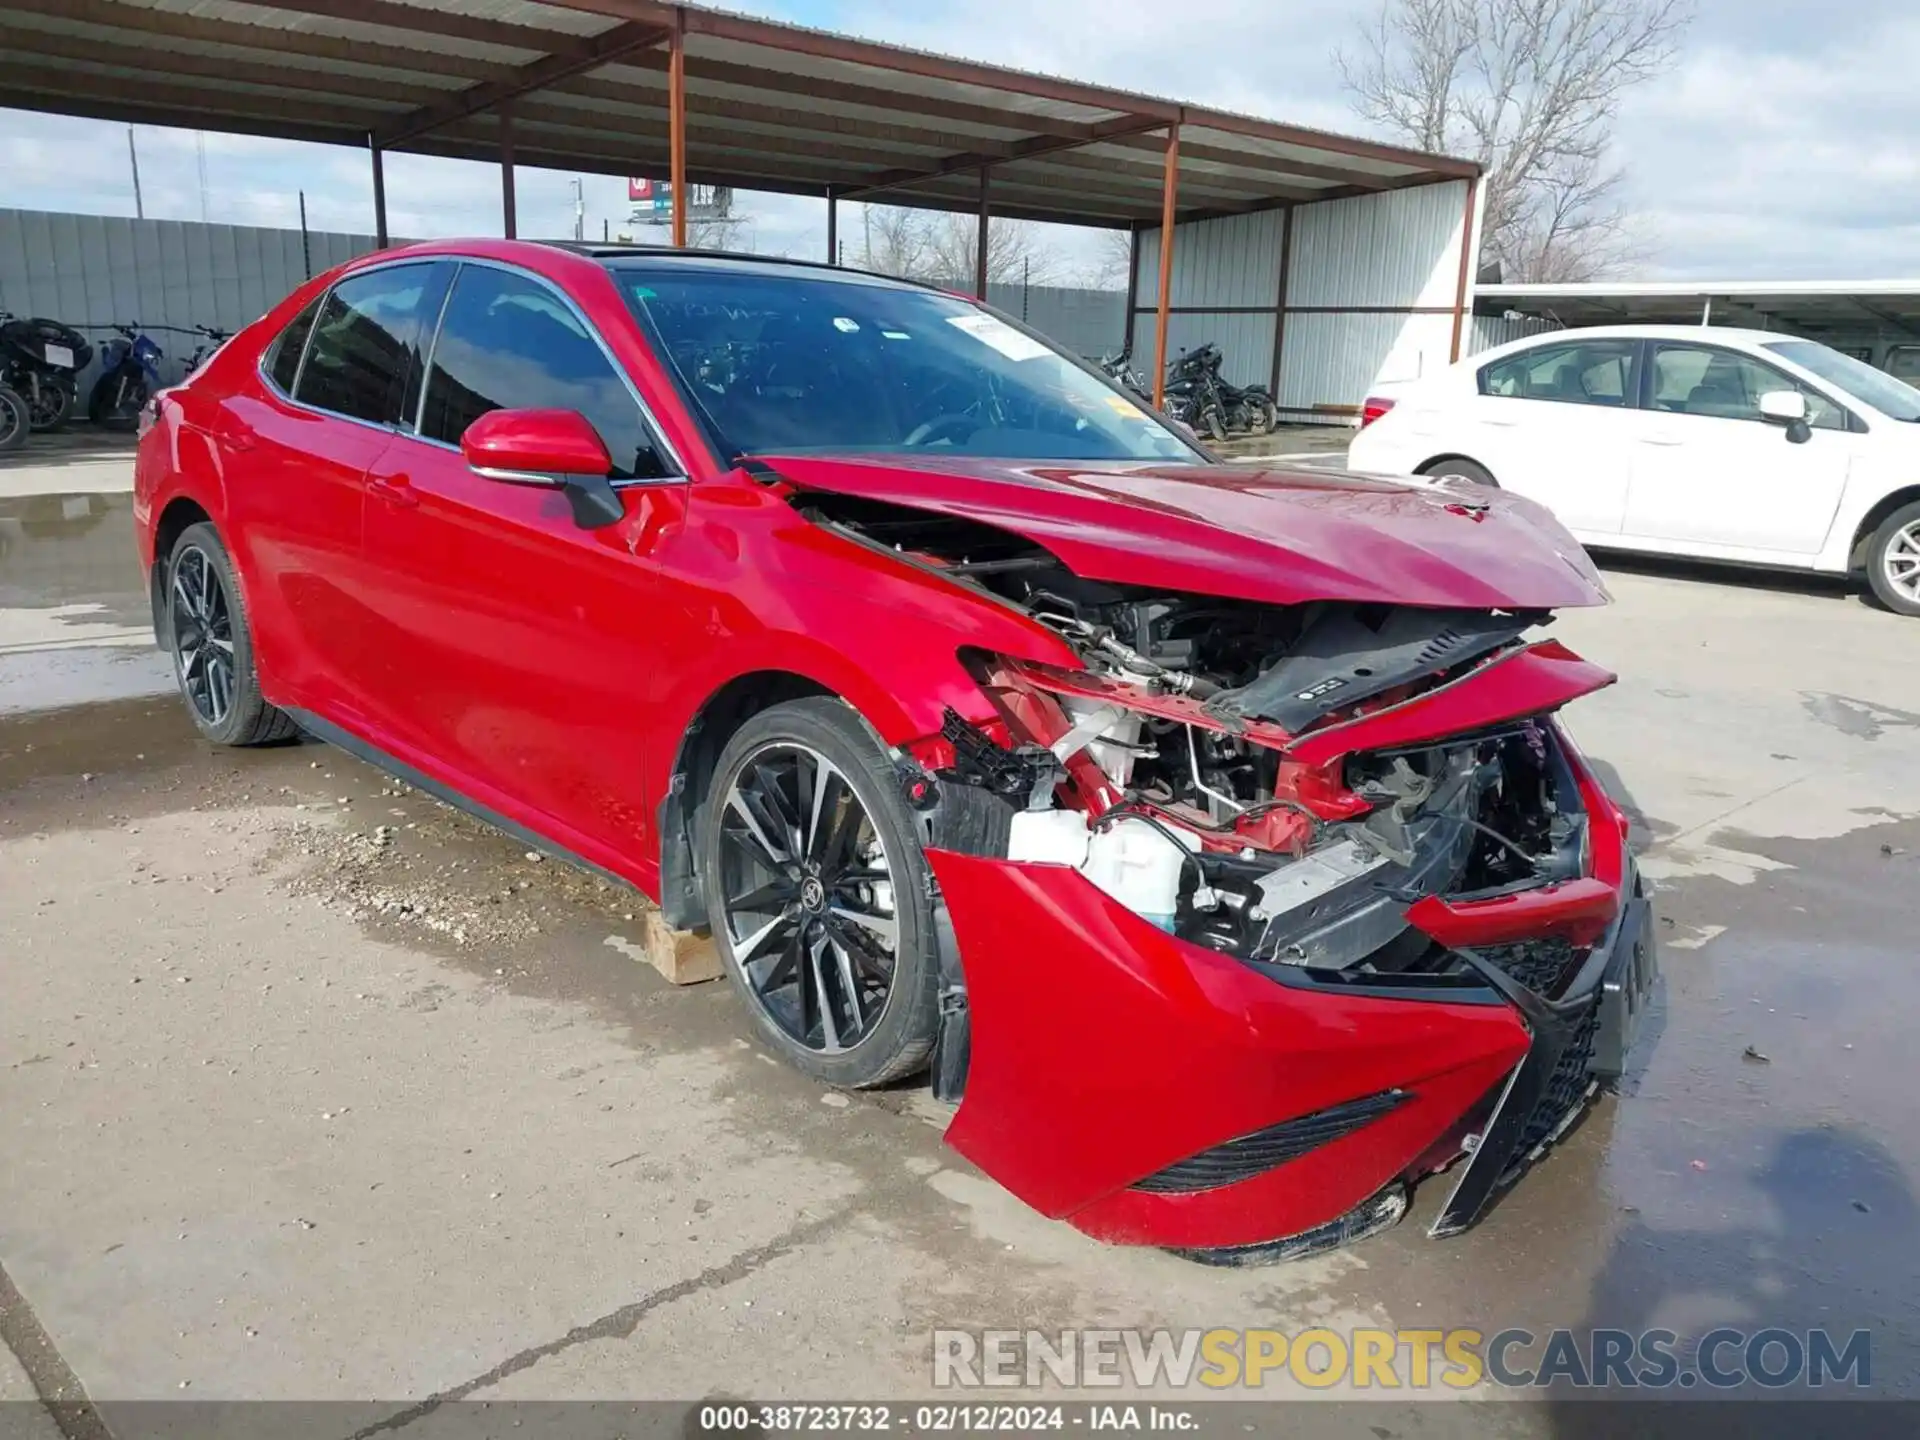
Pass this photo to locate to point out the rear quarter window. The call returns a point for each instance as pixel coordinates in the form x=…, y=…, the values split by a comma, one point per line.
x=283, y=356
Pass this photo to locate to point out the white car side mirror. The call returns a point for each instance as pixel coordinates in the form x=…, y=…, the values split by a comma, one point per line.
x=1784, y=407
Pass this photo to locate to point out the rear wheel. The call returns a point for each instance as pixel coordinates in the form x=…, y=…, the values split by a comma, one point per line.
x=817, y=894
x=212, y=644
x=1454, y=468
x=49, y=403
x=1893, y=561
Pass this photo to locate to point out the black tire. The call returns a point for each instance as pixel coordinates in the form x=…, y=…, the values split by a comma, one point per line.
x=801, y=880
x=230, y=711
x=14, y=425
x=1215, y=422
x=1895, y=548
x=1461, y=469
x=53, y=407
x=101, y=409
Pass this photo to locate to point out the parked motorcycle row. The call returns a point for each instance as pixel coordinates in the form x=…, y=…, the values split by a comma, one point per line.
x=40, y=365
x=1199, y=397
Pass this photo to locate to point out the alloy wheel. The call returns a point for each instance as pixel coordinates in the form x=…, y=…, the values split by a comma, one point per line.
x=202, y=635
x=808, y=893
x=1902, y=562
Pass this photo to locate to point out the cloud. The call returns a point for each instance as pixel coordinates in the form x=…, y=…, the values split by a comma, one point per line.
x=1780, y=145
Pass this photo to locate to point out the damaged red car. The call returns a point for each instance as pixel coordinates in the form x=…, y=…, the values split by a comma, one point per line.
x=1207, y=831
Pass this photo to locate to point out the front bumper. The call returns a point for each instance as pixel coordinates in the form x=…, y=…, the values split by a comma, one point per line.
x=1152, y=1091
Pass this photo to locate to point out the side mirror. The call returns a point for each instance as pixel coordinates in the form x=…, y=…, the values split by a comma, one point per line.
x=556, y=449
x=1788, y=408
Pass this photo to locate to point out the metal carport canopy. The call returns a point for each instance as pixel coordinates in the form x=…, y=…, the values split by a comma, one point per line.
x=587, y=85
x=701, y=96
x=1802, y=305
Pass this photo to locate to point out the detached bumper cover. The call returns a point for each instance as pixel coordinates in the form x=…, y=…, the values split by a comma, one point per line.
x=1579, y=1041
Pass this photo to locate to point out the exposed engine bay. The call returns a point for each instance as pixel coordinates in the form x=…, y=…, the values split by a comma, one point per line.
x=1163, y=769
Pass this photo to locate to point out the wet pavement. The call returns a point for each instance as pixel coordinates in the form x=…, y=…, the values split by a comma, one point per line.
x=312, y=1088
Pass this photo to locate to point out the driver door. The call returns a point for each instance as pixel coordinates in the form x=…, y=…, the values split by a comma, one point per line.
x=514, y=643
x=1709, y=471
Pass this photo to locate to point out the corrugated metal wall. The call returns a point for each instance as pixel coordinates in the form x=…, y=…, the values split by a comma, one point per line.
x=1092, y=323
x=1397, y=248
x=92, y=271
x=1329, y=363
x=1372, y=282
x=1222, y=269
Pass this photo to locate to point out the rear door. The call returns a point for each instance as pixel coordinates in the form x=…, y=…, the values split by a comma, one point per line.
x=1550, y=423
x=512, y=642
x=1709, y=472
x=332, y=387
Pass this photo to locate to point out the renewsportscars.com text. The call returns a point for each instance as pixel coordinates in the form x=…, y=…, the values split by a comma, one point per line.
x=1365, y=1359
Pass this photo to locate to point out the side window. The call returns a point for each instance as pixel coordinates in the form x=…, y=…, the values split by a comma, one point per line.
x=365, y=344
x=284, y=363
x=1593, y=372
x=1726, y=385
x=506, y=340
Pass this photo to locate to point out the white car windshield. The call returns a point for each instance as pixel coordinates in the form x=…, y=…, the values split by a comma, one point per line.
x=1891, y=397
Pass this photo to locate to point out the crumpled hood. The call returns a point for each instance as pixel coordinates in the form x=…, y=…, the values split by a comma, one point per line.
x=1277, y=536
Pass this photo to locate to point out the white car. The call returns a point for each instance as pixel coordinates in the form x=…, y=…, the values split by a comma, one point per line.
x=1738, y=445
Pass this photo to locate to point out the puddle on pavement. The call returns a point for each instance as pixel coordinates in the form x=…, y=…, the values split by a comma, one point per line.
x=74, y=619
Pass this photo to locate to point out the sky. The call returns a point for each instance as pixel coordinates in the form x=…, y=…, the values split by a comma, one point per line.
x=1780, y=145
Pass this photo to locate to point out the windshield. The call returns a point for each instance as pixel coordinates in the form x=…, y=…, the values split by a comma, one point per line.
x=796, y=363
x=1889, y=396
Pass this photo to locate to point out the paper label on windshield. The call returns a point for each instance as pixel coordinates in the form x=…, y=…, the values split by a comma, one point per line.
x=60, y=355
x=1001, y=336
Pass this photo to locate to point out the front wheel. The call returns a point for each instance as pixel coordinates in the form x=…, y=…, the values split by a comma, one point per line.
x=49, y=402
x=116, y=401
x=15, y=425
x=817, y=892
x=1893, y=561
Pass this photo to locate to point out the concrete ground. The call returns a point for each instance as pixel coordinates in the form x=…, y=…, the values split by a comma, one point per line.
x=294, y=1109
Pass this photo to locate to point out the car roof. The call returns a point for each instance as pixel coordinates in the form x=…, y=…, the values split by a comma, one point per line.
x=1715, y=333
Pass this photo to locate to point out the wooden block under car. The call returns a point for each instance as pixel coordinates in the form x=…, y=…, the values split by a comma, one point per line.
x=683, y=957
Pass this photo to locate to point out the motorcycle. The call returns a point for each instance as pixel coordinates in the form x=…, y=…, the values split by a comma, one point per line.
x=40, y=361
x=1119, y=368
x=129, y=374
x=209, y=346
x=1198, y=395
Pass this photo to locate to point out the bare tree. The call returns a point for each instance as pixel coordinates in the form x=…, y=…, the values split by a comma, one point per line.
x=1530, y=89
x=930, y=245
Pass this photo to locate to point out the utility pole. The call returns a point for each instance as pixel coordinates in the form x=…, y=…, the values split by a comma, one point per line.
x=200, y=146
x=133, y=158
x=306, y=245
x=579, y=208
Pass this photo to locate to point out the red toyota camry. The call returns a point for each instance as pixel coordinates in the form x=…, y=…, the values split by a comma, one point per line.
x=1206, y=830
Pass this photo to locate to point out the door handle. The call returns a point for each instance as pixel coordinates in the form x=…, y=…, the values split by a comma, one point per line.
x=395, y=490
x=1661, y=440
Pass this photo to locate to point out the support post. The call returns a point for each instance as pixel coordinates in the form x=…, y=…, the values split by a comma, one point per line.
x=980, y=244
x=1169, y=196
x=506, y=172
x=677, y=125
x=1133, y=288
x=379, y=193
x=1466, y=269
x=1280, y=302
x=833, y=227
